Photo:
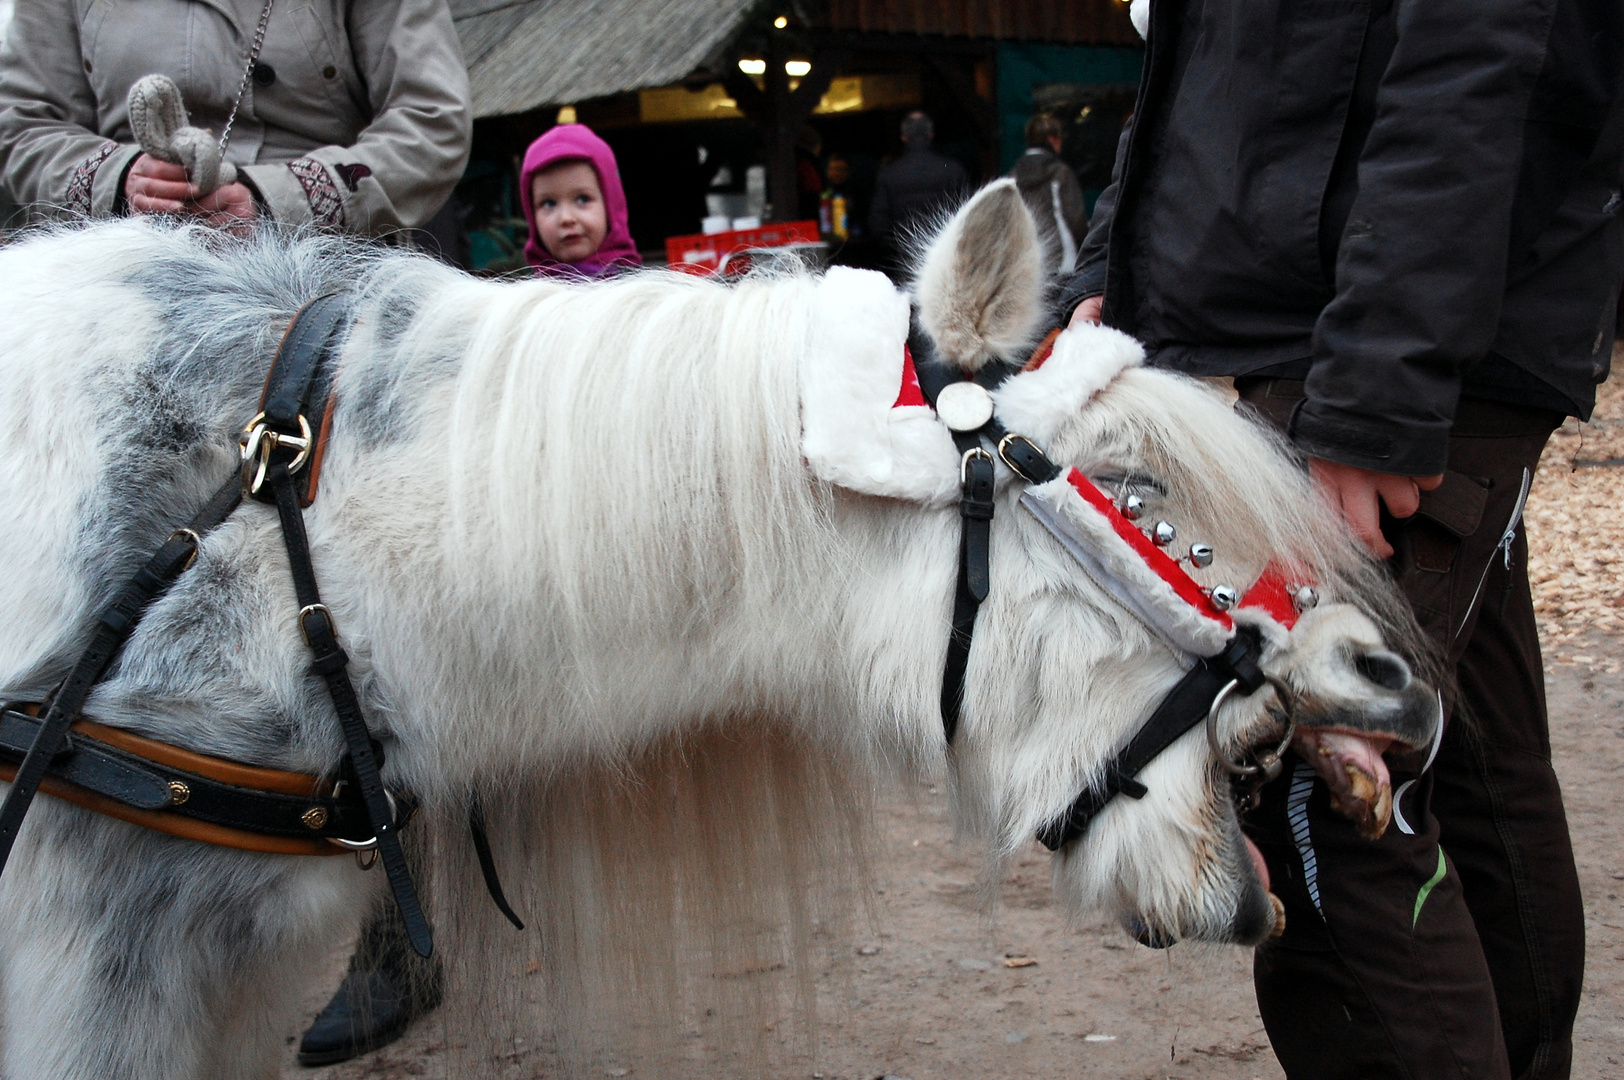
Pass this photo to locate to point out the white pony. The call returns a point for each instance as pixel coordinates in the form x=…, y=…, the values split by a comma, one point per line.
x=653, y=566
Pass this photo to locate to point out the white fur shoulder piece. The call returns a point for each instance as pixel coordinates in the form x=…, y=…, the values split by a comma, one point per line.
x=1085, y=360
x=850, y=379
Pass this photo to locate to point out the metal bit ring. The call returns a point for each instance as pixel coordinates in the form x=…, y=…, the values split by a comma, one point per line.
x=1268, y=762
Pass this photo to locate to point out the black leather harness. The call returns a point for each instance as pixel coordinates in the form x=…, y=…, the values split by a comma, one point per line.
x=1181, y=709
x=358, y=812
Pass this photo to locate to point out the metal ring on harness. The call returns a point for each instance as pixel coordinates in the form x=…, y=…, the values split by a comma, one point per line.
x=1268, y=763
x=258, y=441
x=359, y=846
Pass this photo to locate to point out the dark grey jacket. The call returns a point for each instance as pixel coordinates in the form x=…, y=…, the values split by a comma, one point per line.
x=920, y=183
x=1403, y=201
x=1055, y=198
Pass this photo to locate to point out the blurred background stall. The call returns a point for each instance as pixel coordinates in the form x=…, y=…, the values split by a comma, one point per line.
x=727, y=114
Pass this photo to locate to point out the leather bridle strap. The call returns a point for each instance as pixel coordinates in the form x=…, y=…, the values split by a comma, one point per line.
x=112, y=629
x=288, y=392
x=978, y=483
x=1185, y=706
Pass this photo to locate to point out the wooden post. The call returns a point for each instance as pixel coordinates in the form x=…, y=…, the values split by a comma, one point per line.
x=778, y=112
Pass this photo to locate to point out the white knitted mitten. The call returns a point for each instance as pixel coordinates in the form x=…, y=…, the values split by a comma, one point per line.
x=158, y=117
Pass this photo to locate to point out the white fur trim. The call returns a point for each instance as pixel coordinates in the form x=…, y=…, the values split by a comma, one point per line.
x=850, y=434
x=1118, y=569
x=1085, y=360
x=1139, y=15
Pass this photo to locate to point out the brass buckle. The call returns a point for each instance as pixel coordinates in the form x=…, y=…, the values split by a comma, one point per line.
x=258, y=441
x=1003, y=452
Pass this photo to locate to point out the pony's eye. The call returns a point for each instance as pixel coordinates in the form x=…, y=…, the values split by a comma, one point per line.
x=1123, y=484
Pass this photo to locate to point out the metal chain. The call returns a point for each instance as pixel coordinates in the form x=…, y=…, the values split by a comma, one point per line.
x=247, y=73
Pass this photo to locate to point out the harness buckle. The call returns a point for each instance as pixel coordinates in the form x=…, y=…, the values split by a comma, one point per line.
x=974, y=454
x=371, y=844
x=259, y=441
x=1024, y=458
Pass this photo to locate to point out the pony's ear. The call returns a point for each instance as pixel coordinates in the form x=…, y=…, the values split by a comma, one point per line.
x=980, y=284
x=865, y=426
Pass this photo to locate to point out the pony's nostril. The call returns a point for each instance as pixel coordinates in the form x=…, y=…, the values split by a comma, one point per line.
x=1384, y=669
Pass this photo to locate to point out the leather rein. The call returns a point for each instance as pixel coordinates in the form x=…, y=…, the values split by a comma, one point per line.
x=964, y=403
x=50, y=747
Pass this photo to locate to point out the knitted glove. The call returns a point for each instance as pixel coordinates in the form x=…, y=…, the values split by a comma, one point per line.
x=158, y=117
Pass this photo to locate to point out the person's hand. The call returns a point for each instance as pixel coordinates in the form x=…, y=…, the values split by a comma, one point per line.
x=230, y=206
x=157, y=187
x=1087, y=312
x=1357, y=494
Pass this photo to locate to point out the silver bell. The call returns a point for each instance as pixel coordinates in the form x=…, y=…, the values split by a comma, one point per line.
x=1304, y=597
x=1163, y=534
x=1224, y=597
x=1132, y=507
x=1200, y=556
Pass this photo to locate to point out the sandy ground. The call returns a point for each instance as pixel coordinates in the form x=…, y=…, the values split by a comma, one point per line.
x=934, y=995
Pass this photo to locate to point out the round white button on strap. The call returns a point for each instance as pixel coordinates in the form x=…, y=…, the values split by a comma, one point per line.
x=964, y=406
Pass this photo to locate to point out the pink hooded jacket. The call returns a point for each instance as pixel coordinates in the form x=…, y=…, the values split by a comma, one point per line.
x=576, y=142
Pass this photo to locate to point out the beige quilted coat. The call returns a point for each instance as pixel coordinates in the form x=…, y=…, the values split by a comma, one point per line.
x=358, y=116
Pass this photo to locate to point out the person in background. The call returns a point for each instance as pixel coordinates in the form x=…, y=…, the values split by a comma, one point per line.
x=576, y=207
x=915, y=186
x=1051, y=192
x=365, y=132
x=808, y=177
x=355, y=116
x=1398, y=228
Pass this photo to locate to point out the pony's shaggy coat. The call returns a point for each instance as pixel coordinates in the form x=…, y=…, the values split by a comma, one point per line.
x=600, y=557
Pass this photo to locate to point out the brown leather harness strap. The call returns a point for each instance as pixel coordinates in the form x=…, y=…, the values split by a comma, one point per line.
x=174, y=821
x=177, y=825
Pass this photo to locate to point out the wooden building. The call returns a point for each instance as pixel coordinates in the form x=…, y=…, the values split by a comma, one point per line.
x=692, y=93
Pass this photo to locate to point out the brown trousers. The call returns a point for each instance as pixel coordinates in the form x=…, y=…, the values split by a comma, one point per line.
x=1453, y=947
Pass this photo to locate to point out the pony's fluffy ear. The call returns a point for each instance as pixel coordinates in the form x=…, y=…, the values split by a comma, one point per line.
x=980, y=285
x=858, y=429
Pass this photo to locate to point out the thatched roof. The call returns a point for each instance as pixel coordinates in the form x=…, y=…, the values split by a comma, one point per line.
x=523, y=54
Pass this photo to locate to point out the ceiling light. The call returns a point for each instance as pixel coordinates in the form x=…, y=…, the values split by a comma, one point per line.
x=781, y=22
x=797, y=68
x=753, y=67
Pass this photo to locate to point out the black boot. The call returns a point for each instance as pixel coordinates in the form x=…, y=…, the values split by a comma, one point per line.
x=376, y=1003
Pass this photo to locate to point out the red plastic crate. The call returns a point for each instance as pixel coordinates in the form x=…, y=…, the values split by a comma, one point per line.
x=702, y=253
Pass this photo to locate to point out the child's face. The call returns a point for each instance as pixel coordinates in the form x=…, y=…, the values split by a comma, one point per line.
x=570, y=217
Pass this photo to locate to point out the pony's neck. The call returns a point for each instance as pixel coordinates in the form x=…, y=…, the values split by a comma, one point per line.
x=573, y=556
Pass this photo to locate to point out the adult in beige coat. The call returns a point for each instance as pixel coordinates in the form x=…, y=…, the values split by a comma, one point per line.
x=357, y=115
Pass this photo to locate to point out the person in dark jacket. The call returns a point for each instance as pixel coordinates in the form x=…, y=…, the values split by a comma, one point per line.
x=1397, y=226
x=917, y=185
x=1052, y=194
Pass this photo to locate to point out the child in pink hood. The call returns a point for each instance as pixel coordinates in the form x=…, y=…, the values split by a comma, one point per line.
x=575, y=206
